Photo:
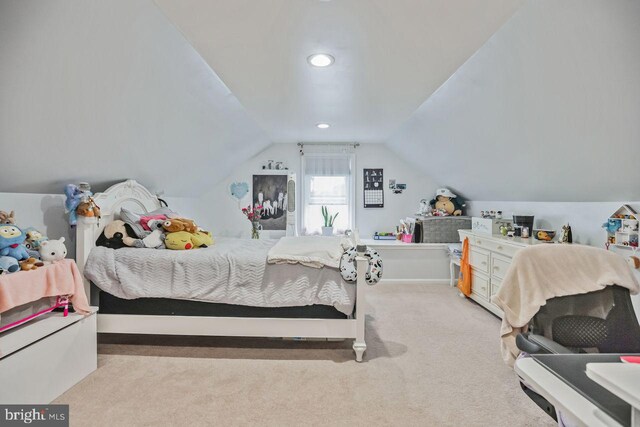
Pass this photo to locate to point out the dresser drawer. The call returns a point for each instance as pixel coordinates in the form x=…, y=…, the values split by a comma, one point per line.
x=479, y=259
x=506, y=249
x=499, y=265
x=495, y=286
x=499, y=247
x=479, y=285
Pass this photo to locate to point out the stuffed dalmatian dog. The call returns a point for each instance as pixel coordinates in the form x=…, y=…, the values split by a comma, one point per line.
x=348, y=265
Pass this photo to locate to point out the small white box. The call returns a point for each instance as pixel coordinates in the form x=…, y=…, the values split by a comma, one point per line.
x=488, y=225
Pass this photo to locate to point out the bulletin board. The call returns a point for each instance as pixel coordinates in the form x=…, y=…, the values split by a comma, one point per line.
x=373, y=188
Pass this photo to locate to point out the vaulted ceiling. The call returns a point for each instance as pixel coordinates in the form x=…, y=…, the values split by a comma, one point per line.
x=390, y=56
x=108, y=90
x=500, y=99
x=547, y=110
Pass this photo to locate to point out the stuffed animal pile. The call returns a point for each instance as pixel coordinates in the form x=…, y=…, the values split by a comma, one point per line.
x=160, y=229
x=184, y=234
x=25, y=249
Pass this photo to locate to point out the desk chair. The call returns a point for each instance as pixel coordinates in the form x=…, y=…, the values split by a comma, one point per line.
x=602, y=322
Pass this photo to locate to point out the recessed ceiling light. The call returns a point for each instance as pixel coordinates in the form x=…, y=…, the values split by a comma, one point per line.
x=323, y=125
x=320, y=59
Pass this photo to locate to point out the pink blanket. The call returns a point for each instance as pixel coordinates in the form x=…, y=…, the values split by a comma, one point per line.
x=60, y=278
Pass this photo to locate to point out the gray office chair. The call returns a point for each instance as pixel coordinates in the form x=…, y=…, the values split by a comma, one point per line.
x=602, y=322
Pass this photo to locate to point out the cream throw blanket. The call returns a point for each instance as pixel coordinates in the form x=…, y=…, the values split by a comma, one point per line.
x=312, y=251
x=546, y=271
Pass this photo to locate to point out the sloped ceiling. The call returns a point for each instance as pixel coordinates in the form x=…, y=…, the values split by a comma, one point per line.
x=547, y=110
x=107, y=90
x=390, y=57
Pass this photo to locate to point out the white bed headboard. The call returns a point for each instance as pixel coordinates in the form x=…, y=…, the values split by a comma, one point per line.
x=128, y=194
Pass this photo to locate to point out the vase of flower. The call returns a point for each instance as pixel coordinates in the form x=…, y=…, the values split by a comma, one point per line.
x=255, y=229
x=254, y=214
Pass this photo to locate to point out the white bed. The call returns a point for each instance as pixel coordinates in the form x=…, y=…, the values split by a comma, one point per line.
x=134, y=196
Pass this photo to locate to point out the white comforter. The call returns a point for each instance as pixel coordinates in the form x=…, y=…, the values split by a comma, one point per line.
x=233, y=271
x=312, y=251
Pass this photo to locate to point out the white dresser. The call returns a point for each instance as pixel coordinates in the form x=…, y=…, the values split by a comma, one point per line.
x=490, y=258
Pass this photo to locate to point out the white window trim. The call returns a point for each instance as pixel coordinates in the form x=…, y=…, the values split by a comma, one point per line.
x=352, y=187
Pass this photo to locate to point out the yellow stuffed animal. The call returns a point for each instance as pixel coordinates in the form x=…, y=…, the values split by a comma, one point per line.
x=202, y=239
x=182, y=240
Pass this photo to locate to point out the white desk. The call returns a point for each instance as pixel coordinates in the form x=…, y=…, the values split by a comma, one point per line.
x=564, y=398
x=621, y=379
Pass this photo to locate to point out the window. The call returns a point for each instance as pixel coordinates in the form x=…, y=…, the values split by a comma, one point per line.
x=327, y=181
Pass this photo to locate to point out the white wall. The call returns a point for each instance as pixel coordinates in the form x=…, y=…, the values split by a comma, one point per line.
x=547, y=109
x=46, y=213
x=99, y=91
x=224, y=218
x=586, y=220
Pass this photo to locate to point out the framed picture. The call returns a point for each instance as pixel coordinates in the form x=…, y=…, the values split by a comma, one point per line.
x=270, y=192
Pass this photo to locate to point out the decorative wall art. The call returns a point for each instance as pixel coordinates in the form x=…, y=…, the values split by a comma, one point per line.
x=270, y=192
x=239, y=190
x=373, y=180
x=395, y=187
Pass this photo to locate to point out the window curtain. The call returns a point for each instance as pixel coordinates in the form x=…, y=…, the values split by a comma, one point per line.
x=328, y=180
x=317, y=164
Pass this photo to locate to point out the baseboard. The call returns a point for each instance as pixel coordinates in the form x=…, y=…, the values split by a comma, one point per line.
x=415, y=281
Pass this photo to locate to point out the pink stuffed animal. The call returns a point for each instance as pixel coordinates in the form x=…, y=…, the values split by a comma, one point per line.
x=151, y=222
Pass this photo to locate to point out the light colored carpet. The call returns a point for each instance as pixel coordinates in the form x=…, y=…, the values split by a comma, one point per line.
x=432, y=360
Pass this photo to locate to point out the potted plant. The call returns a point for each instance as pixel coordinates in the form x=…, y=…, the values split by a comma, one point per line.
x=327, y=230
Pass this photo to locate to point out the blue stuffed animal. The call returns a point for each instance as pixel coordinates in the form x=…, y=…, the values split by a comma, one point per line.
x=8, y=265
x=11, y=239
x=612, y=225
x=74, y=197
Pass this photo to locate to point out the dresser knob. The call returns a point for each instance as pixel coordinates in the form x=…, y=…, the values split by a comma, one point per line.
x=500, y=248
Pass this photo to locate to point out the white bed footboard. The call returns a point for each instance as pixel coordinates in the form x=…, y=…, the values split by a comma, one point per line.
x=134, y=196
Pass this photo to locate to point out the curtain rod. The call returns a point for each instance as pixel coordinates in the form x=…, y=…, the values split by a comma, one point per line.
x=354, y=144
x=345, y=144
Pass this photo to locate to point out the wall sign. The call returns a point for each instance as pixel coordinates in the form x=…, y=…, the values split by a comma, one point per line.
x=373, y=188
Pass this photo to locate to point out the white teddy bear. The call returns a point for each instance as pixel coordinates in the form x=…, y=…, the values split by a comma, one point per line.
x=52, y=250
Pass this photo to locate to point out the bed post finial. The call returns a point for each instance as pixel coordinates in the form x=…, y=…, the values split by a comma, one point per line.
x=130, y=183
